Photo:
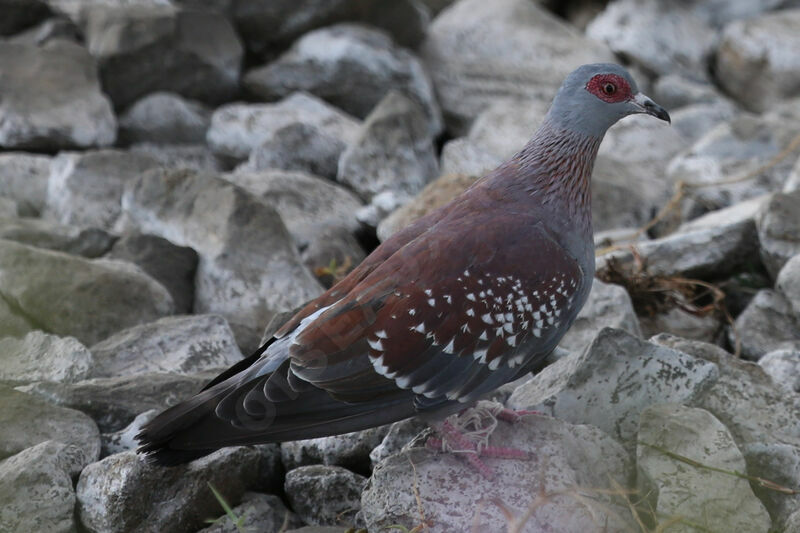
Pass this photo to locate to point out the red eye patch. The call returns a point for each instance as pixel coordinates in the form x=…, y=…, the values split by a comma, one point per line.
x=609, y=88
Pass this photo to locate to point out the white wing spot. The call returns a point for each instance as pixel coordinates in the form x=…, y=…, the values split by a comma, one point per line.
x=375, y=345
x=471, y=297
x=450, y=346
x=419, y=328
x=381, y=334
x=428, y=292
x=494, y=363
x=431, y=302
x=537, y=332
x=470, y=312
x=412, y=312
x=483, y=336
x=448, y=299
x=512, y=340
x=487, y=319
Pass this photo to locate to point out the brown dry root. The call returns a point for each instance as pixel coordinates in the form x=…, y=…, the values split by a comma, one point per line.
x=652, y=295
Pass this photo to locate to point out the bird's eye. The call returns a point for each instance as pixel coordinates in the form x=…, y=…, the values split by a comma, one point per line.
x=609, y=88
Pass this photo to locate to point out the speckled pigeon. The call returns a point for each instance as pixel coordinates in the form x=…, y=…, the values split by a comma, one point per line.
x=473, y=295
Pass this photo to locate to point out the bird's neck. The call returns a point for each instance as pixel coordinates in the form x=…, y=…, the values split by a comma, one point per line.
x=555, y=168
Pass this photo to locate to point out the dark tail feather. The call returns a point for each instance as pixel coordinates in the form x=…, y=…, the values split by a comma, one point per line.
x=197, y=427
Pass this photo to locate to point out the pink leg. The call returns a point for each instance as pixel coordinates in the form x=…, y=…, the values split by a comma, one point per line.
x=513, y=416
x=454, y=441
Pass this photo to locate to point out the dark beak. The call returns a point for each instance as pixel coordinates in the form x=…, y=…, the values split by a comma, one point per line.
x=649, y=107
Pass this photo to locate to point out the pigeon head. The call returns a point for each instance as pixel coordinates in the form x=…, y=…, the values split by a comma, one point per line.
x=594, y=97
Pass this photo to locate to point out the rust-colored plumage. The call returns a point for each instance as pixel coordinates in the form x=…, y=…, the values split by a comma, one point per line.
x=469, y=297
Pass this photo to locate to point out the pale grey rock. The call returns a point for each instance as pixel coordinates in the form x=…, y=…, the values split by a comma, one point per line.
x=248, y=270
x=260, y=512
x=768, y=323
x=746, y=210
x=693, y=121
x=12, y=323
x=505, y=126
x=114, y=402
x=56, y=105
x=125, y=439
x=788, y=283
x=36, y=488
x=467, y=157
x=324, y=495
x=720, y=12
x=393, y=150
x=86, y=242
x=181, y=344
x=760, y=48
x=674, y=91
x=40, y=356
x=399, y=435
x=608, y=306
x=267, y=25
x=85, y=188
x=563, y=457
x=660, y=37
x=519, y=50
x=702, y=497
x=783, y=366
x=171, y=265
x=164, y=117
x=125, y=493
x=191, y=156
x=307, y=204
x=700, y=253
x=297, y=146
x=623, y=197
x=23, y=178
x=238, y=129
x=28, y=420
x=762, y=418
x=645, y=146
x=732, y=150
x=19, y=15
x=351, y=450
x=72, y=296
x=778, y=225
x=353, y=67
x=683, y=324
x=146, y=47
x=611, y=382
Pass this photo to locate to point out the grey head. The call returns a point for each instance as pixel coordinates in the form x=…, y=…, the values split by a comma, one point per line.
x=594, y=97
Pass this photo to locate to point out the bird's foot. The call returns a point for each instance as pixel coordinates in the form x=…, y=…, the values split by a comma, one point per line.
x=467, y=434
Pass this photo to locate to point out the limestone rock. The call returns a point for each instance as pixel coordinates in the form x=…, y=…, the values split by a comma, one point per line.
x=164, y=117
x=28, y=420
x=86, y=299
x=40, y=356
x=124, y=493
x=248, y=270
x=783, y=366
x=86, y=242
x=36, y=488
x=701, y=497
x=350, y=450
x=610, y=383
x=85, y=187
x=565, y=459
x=307, y=204
x=393, y=151
x=159, y=47
x=57, y=104
x=331, y=61
x=779, y=230
x=761, y=48
x=519, y=50
x=261, y=512
x=324, y=495
x=768, y=323
x=180, y=344
x=238, y=129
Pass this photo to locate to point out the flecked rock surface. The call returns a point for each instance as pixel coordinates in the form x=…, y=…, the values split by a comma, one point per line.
x=36, y=488
x=23, y=178
x=701, y=497
x=567, y=459
x=324, y=495
x=40, y=356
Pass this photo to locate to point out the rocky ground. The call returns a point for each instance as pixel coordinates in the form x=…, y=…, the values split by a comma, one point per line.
x=175, y=175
